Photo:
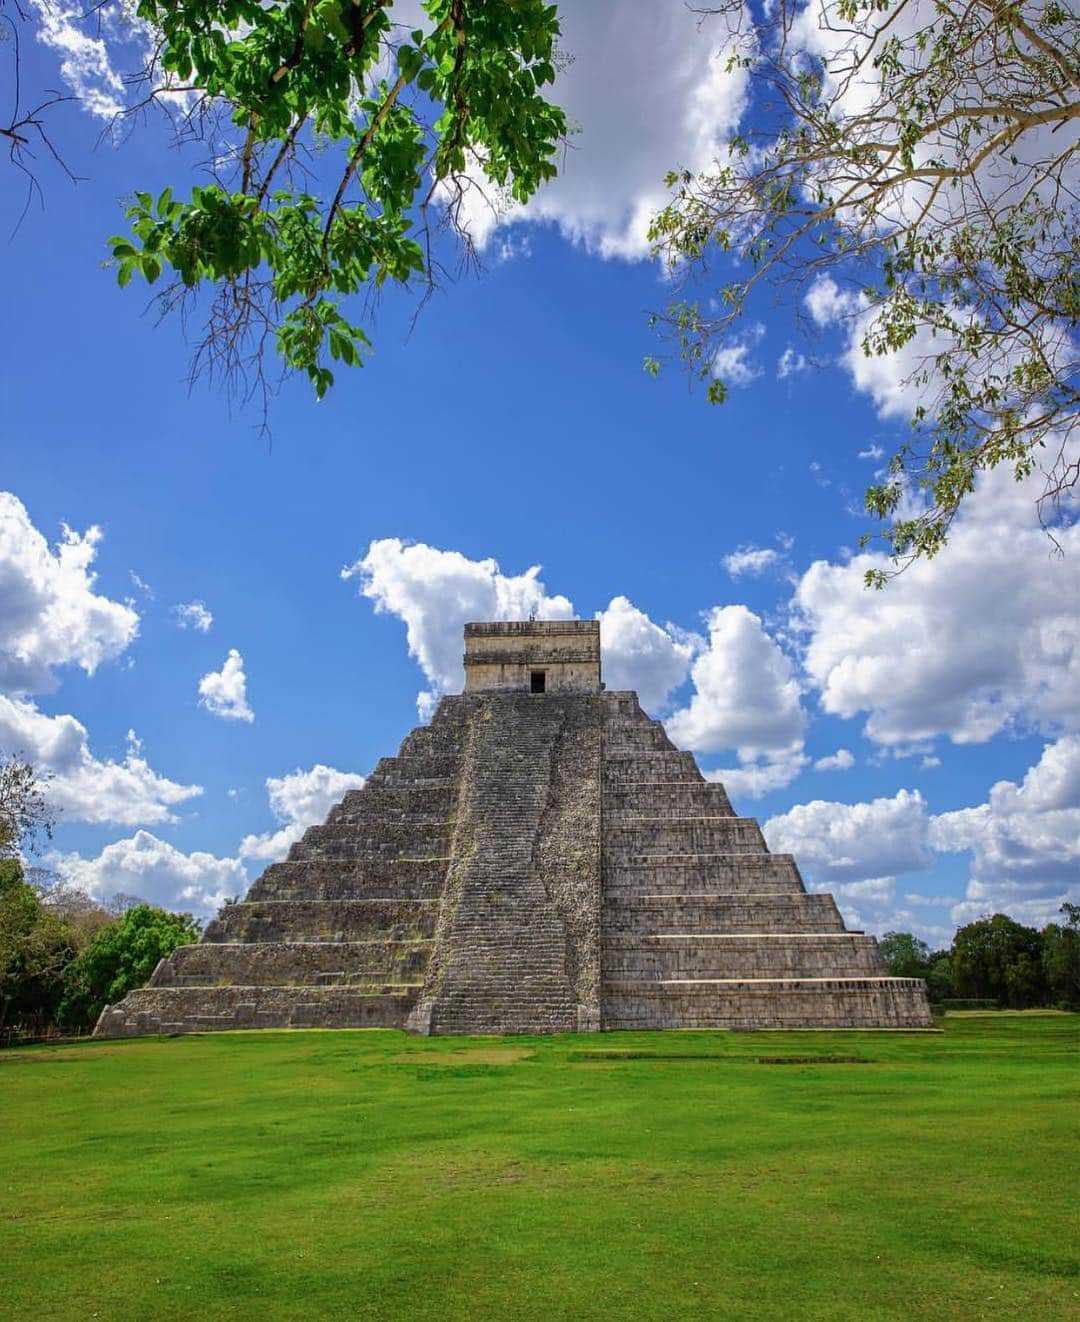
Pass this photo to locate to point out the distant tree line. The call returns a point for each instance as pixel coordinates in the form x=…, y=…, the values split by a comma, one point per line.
x=996, y=960
x=63, y=954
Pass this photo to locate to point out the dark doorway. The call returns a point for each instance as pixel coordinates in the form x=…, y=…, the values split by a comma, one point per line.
x=536, y=682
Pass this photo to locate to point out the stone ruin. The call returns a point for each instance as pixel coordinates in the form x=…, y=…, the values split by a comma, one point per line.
x=538, y=859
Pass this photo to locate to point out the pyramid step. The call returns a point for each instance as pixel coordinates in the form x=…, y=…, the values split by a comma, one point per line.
x=631, y=737
x=373, y=840
x=427, y=742
x=212, y=964
x=200, y=1009
x=650, y=836
x=738, y=872
x=666, y=798
x=730, y=913
x=758, y=1003
x=345, y=879
x=622, y=767
x=264, y=921
x=621, y=703
x=415, y=771
x=707, y=955
x=432, y=802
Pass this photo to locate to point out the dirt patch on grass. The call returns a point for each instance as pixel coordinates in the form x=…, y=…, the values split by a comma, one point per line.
x=1002, y=1014
x=469, y=1056
x=656, y=1057
x=813, y=1060
x=47, y=1057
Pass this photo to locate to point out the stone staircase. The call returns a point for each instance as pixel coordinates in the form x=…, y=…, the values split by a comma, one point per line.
x=517, y=947
x=701, y=926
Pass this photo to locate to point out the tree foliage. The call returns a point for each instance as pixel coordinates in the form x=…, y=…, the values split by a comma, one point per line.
x=1061, y=956
x=923, y=154
x=996, y=960
x=25, y=814
x=1000, y=959
x=351, y=141
x=119, y=959
x=36, y=945
x=904, y=954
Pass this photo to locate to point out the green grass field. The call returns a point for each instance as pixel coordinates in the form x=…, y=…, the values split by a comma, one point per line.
x=698, y=1175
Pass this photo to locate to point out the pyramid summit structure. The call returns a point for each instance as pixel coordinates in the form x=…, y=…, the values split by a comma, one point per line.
x=538, y=859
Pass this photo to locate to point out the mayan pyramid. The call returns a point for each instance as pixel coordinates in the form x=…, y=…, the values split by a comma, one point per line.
x=538, y=859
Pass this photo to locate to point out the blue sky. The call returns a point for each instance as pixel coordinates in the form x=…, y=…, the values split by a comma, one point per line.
x=512, y=423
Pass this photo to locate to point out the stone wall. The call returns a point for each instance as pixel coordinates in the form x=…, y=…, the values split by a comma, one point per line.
x=502, y=657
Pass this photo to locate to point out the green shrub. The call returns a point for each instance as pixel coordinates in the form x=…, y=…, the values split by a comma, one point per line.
x=120, y=959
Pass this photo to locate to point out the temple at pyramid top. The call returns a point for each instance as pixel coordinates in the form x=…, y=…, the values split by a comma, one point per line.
x=533, y=656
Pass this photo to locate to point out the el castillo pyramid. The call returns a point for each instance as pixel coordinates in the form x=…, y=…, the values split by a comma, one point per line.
x=538, y=859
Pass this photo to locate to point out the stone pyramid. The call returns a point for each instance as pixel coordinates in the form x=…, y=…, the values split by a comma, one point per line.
x=538, y=859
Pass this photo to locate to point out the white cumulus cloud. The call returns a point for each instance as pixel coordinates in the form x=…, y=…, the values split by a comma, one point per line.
x=298, y=800
x=193, y=615
x=839, y=843
x=1024, y=840
x=646, y=91
x=745, y=697
x=156, y=871
x=983, y=638
x=86, y=64
x=224, y=692
x=437, y=592
x=790, y=363
x=841, y=760
x=732, y=364
x=86, y=787
x=751, y=560
x=640, y=655
x=50, y=615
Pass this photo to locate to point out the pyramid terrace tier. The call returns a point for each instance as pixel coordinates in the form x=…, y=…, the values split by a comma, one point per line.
x=636, y=736
x=737, y=873
x=666, y=837
x=419, y=771
x=214, y=1009
x=345, y=879
x=737, y=913
x=265, y=921
x=507, y=1007
x=424, y=803
x=766, y=1003
x=679, y=798
x=296, y=963
x=626, y=767
x=711, y=955
x=374, y=839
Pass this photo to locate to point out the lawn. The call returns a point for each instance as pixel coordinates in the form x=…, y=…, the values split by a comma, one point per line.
x=631, y=1175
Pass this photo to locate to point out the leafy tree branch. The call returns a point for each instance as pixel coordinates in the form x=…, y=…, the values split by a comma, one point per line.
x=339, y=141
x=923, y=154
